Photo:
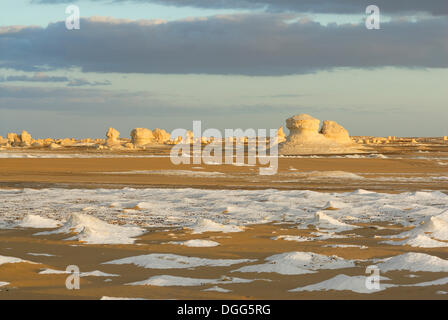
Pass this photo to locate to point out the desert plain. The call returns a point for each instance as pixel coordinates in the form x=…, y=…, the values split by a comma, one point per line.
x=138, y=226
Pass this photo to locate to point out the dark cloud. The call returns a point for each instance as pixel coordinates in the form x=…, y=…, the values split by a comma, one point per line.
x=38, y=77
x=435, y=7
x=261, y=44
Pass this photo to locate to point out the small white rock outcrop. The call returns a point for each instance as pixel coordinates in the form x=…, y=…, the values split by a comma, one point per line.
x=142, y=136
x=161, y=136
x=113, y=137
x=25, y=138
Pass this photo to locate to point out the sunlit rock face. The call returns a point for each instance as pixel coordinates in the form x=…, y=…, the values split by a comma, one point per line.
x=305, y=137
x=113, y=137
x=25, y=138
x=334, y=131
x=281, y=136
x=142, y=136
x=161, y=136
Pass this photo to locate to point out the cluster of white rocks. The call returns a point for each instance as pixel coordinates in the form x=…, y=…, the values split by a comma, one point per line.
x=18, y=140
x=388, y=140
x=140, y=139
x=307, y=137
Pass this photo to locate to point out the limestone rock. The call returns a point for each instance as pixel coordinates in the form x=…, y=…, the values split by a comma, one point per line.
x=40, y=141
x=177, y=140
x=160, y=135
x=281, y=135
x=204, y=140
x=114, y=147
x=48, y=142
x=67, y=142
x=332, y=130
x=25, y=138
x=99, y=141
x=303, y=128
x=305, y=138
x=13, y=138
x=113, y=137
x=142, y=136
x=190, y=137
x=54, y=146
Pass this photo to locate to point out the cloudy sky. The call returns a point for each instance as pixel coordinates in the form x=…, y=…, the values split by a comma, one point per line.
x=229, y=63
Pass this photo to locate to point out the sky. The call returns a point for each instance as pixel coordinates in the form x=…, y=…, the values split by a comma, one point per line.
x=231, y=64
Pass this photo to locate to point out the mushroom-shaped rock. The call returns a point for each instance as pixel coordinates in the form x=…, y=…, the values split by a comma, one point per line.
x=303, y=128
x=303, y=123
x=141, y=136
x=160, y=135
x=112, y=137
x=332, y=130
x=305, y=138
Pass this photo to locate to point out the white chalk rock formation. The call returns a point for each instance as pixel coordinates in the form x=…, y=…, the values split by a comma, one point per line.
x=13, y=139
x=190, y=137
x=113, y=137
x=54, y=146
x=142, y=136
x=332, y=130
x=25, y=138
x=161, y=136
x=67, y=142
x=305, y=138
x=47, y=142
x=129, y=145
x=281, y=135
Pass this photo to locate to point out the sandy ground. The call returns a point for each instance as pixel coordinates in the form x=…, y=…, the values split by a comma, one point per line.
x=403, y=170
x=254, y=243
x=378, y=174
